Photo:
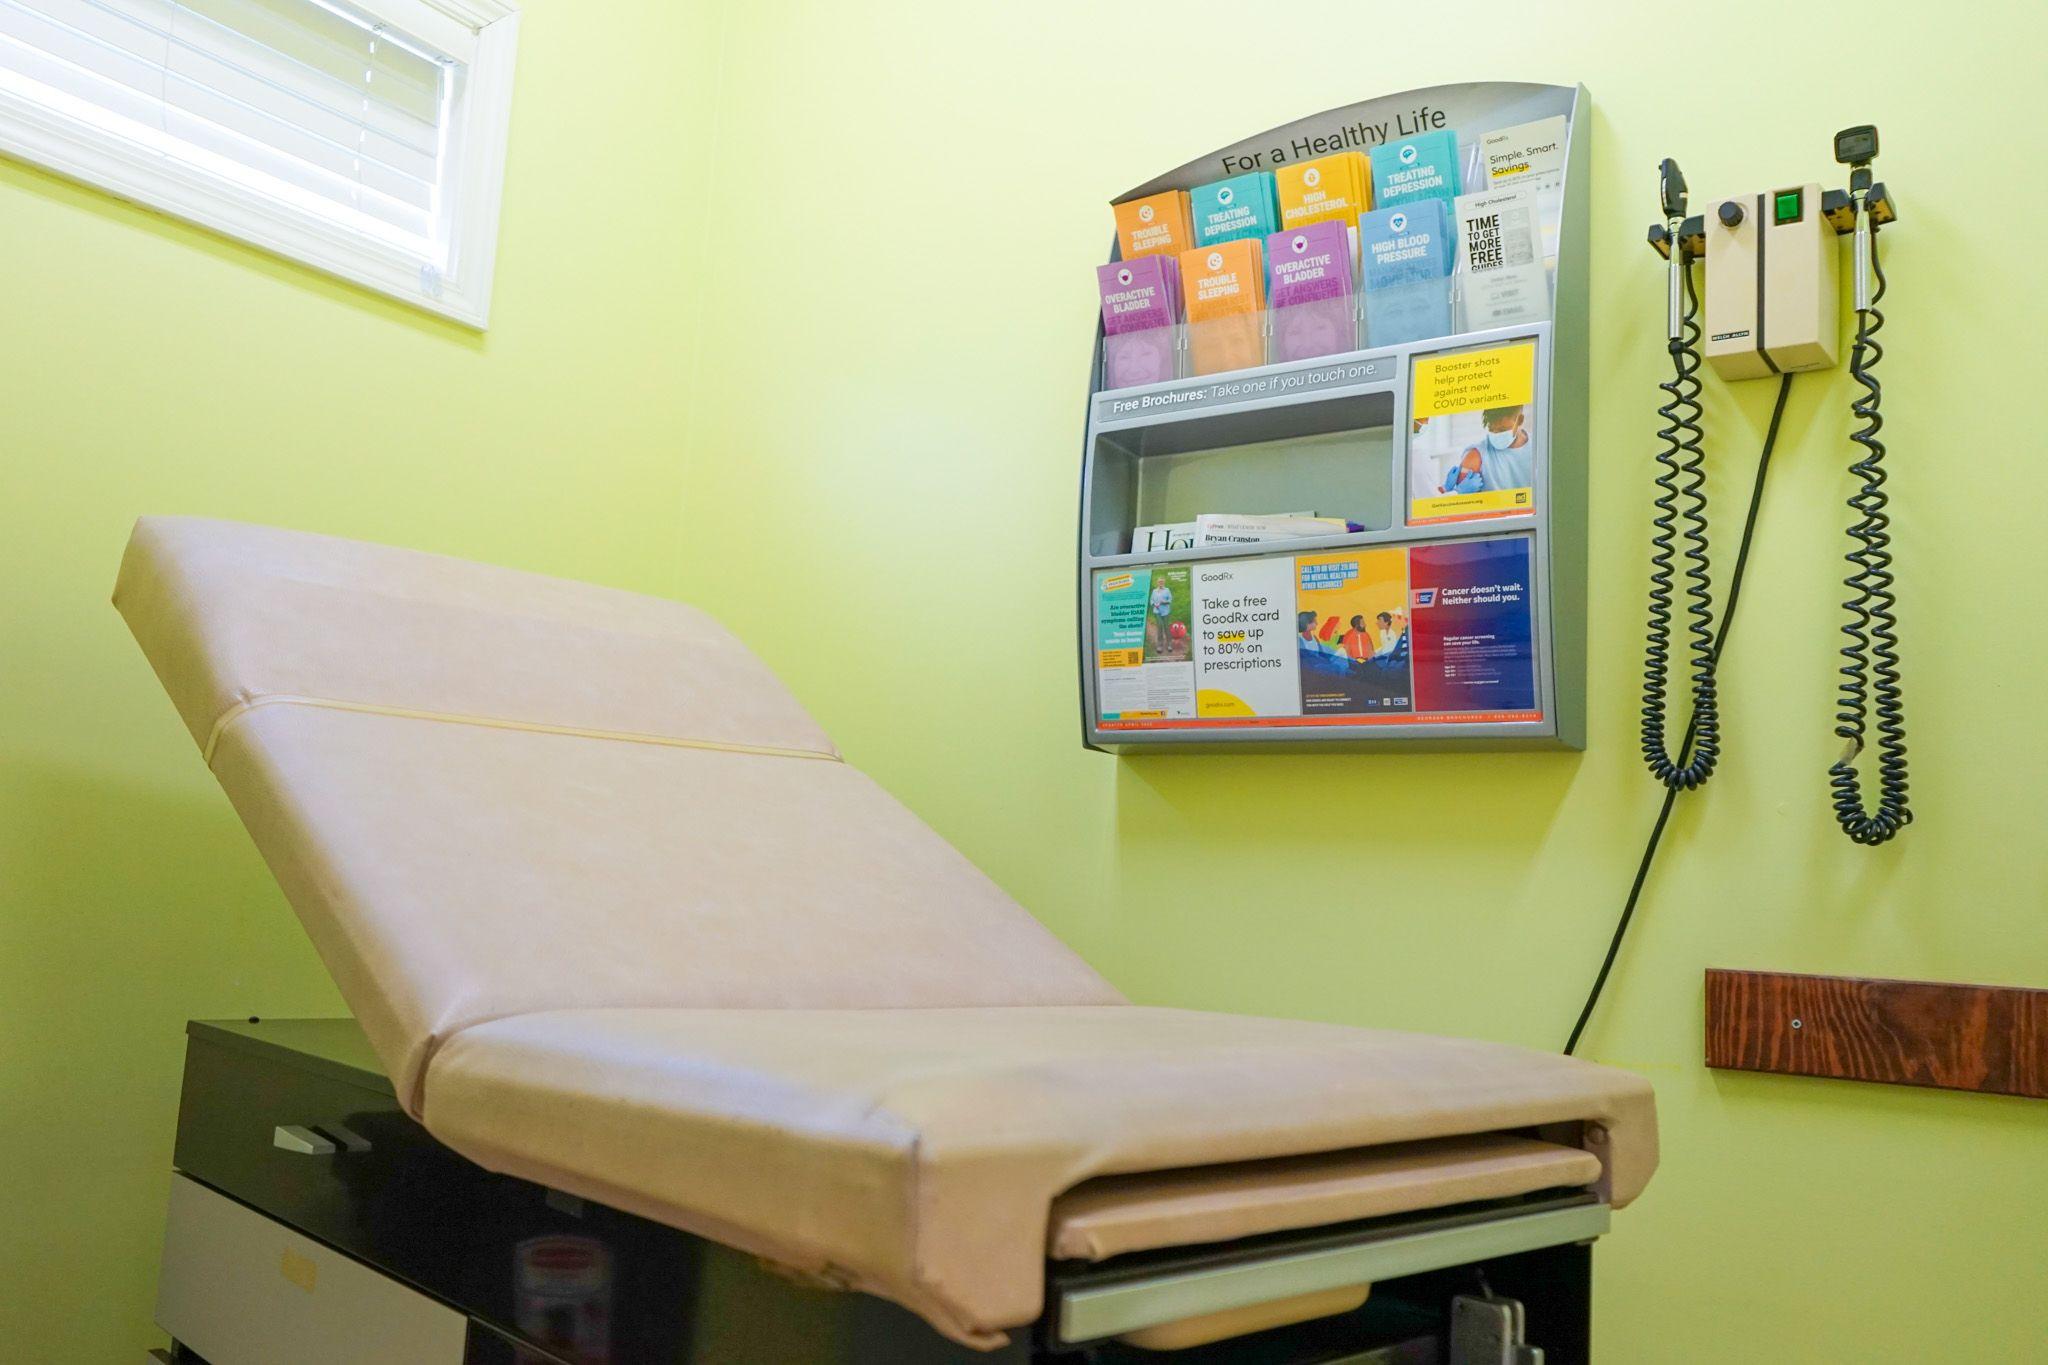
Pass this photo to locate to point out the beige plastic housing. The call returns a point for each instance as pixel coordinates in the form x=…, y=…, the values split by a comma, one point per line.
x=1771, y=305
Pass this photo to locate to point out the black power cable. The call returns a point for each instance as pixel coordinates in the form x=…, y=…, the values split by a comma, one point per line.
x=1711, y=658
x=1872, y=628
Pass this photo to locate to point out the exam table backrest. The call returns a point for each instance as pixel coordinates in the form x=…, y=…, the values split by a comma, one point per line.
x=489, y=793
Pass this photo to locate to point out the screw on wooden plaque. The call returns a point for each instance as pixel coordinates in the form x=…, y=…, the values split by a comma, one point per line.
x=1989, y=1039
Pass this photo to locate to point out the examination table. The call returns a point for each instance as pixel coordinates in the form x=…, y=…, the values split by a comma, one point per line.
x=677, y=1039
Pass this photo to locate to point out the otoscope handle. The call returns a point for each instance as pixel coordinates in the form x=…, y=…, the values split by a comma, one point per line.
x=1863, y=232
x=1674, y=294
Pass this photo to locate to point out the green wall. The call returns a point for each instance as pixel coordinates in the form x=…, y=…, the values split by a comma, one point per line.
x=883, y=503
x=149, y=367
x=869, y=469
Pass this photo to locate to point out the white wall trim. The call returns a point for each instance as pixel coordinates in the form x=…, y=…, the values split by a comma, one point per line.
x=477, y=14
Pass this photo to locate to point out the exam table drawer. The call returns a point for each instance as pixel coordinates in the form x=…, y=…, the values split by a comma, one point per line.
x=241, y=1289
x=396, y=1200
x=235, y=1107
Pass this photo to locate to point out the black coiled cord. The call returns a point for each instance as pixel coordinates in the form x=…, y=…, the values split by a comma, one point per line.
x=1681, y=512
x=1870, y=675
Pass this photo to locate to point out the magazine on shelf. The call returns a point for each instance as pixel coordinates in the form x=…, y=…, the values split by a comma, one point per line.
x=1224, y=528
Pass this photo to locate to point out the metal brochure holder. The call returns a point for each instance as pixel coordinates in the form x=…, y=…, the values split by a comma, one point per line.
x=1336, y=436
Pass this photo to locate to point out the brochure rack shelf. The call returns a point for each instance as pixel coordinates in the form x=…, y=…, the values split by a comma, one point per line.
x=1445, y=605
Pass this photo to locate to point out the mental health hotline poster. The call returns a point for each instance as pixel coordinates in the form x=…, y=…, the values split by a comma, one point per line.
x=1351, y=632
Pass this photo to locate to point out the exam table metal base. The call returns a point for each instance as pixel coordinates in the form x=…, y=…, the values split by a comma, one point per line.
x=312, y=1220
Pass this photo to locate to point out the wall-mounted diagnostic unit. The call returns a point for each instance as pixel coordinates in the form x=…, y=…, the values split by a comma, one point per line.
x=1771, y=285
x=1773, y=310
x=1333, y=484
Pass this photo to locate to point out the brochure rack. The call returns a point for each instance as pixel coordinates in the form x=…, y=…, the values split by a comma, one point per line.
x=1451, y=613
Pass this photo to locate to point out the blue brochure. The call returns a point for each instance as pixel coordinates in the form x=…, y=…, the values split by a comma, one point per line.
x=1242, y=206
x=1421, y=167
x=1405, y=256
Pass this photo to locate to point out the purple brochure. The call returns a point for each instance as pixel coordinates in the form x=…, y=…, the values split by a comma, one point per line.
x=1140, y=305
x=1310, y=291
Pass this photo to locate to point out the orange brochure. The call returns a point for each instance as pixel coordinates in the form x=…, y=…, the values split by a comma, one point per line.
x=1336, y=187
x=1225, y=288
x=1158, y=224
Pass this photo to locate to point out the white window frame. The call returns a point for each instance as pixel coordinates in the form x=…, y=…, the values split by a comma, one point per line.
x=488, y=30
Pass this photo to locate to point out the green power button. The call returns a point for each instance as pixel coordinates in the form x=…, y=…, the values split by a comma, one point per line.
x=1786, y=207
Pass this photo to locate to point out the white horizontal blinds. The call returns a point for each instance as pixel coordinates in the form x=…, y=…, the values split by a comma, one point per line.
x=329, y=104
x=106, y=57
x=311, y=102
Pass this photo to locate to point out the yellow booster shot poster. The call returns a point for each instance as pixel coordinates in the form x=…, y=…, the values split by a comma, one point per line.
x=1472, y=435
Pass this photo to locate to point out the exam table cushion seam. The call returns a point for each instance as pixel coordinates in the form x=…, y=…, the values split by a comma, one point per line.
x=252, y=703
x=227, y=613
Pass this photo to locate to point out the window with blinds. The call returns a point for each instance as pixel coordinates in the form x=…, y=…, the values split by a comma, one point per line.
x=364, y=138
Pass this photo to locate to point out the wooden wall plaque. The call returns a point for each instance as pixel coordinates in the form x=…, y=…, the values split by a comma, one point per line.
x=1992, y=1039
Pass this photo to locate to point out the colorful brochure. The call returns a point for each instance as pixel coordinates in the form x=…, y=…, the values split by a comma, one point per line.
x=1157, y=225
x=1524, y=156
x=1226, y=294
x=1330, y=189
x=1405, y=258
x=1421, y=167
x=1474, y=634
x=1230, y=210
x=1473, y=451
x=1144, y=666
x=1245, y=661
x=1441, y=632
x=1351, y=632
x=1500, y=272
x=1529, y=156
x=1314, y=310
x=1405, y=245
x=1140, y=305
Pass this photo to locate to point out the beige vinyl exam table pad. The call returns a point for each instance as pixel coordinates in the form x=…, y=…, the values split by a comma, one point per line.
x=618, y=918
